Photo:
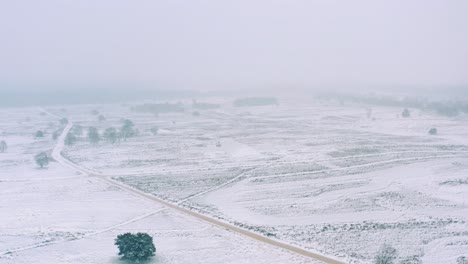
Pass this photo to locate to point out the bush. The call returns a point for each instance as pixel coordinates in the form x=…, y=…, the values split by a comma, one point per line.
x=70, y=139
x=405, y=113
x=78, y=130
x=462, y=260
x=63, y=121
x=135, y=247
x=3, y=146
x=93, y=135
x=154, y=130
x=110, y=134
x=386, y=255
x=101, y=118
x=42, y=159
x=433, y=131
x=39, y=134
x=55, y=135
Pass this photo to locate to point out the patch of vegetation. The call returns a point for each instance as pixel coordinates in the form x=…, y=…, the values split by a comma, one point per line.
x=204, y=106
x=39, y=134
x=93, y=135
x=454, y=182
x=70, y=139
x=3, y=146
x=405, y=113
x=42, y=159
x=386, y=255
x=135, y=247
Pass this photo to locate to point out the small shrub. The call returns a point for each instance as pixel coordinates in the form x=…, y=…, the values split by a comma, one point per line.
x=3, y=146
x=39, y=134
x=63, y=121
x=135, y=247
x=405, y=113
x=101, y=118
x=55, y=135
x=433, y=131
x=78, y=130
x=70, y=139
x=386, y=255
x=154, y=130
x=462, y=260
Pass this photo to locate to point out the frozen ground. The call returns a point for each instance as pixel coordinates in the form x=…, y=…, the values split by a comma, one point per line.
x=57, y=215
x=324, y=177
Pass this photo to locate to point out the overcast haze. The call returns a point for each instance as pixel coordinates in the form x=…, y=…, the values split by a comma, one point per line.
x=209, y=45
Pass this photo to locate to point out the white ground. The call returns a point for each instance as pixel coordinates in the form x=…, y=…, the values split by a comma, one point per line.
x=57, y=215
x=320, y=176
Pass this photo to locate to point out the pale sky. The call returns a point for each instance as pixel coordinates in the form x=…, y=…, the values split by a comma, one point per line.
x=233, y=44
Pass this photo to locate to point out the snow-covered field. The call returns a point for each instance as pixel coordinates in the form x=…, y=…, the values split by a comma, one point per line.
x=324, y=177
x=57, y=215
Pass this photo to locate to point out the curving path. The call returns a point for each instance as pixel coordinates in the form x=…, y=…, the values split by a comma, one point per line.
x=57, y=155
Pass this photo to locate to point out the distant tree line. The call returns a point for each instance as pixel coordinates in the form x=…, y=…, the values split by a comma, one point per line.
x=204, y=106
x=159, y=108
x=447, y=108
x=255, y=101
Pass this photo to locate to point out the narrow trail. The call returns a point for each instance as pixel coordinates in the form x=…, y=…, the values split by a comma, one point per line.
x=57, y=155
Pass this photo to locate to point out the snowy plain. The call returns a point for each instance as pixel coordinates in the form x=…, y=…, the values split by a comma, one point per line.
x=323, y=176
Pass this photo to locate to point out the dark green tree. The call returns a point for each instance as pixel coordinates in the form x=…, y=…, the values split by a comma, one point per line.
x=127, y=129
x=93, y=135
x=110, y=134
x=42, y=159
x=135, y=247
x=70, y=139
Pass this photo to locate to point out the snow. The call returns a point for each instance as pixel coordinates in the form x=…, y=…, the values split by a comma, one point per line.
x=322, y=177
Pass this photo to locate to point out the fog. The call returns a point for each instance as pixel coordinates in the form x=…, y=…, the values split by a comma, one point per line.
x=261, y=45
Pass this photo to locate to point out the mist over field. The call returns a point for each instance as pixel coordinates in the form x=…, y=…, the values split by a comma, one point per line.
x=260, y=131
